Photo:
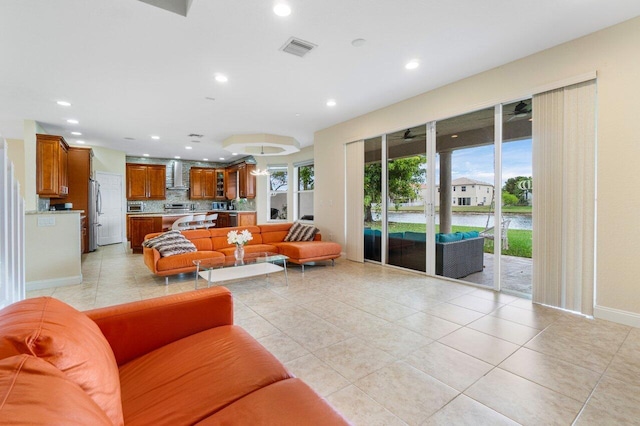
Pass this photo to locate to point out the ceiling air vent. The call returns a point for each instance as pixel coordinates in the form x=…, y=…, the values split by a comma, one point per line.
x=194, y=135
x=297, y=47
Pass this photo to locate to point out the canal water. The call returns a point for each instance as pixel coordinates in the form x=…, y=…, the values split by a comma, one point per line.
x=518, y=221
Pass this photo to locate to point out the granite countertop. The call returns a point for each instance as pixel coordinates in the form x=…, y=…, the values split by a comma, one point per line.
x=53, y=212
x=163, y=213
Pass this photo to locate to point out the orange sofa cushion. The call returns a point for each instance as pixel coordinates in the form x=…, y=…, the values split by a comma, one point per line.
x=185, y=260
x=200, y=374
x=33, y=392
x=288, y=402
x=219, y=236
x=66, y=338
x=254, y=248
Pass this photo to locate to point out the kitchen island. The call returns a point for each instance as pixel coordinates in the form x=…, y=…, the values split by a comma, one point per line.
x=141, y=224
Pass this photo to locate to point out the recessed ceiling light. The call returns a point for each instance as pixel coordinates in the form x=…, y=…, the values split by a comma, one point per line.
x=222, y=158
x=412, y=65
x=80, y=141
x=155, y=137
x=297, y=114
x=63, y=103
x=205, y=159
x=359, y=42
x=234, y=153
x=145, y=155
x=76, y=133
x=221, y=78
x=454, y=136
x=188, y=147
x=282, y=9
x=177, y=157
x=331, y=103
x=72, y=121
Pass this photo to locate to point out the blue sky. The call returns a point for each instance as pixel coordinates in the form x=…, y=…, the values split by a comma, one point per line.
x=477, y=163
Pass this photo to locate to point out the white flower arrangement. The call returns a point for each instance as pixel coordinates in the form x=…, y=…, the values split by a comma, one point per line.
x=239, y=238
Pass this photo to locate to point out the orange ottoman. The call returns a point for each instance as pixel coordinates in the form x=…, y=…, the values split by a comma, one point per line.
x=302, y=252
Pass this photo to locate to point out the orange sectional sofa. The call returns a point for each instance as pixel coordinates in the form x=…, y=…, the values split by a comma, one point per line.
x=213, y=243
x=173, y=360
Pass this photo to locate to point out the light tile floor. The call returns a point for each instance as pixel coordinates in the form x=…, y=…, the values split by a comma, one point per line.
x=388, y=347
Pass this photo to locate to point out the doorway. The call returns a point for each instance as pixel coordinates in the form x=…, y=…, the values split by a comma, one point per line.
x=112, y=212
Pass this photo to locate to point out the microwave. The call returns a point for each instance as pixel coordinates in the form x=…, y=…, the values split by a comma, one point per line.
x=135, y=207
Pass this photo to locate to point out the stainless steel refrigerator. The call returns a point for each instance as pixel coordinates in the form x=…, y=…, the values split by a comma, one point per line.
x=95, y=210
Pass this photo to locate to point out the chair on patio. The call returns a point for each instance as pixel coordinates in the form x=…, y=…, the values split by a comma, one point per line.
x=489, y=233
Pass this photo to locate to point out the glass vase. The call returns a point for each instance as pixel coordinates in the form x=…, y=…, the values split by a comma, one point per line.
x=239, y=253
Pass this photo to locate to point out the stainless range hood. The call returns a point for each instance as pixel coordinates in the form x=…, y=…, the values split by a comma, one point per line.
x=177, y=183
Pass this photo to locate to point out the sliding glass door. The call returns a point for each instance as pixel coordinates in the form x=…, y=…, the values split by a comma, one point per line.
x=406, y=185
x=453, y=198
x=465, y=148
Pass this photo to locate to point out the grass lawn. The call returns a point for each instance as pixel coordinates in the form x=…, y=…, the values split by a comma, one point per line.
x=519, y=239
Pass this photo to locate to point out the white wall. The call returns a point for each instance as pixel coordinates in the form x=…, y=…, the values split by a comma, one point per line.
x=613, y=53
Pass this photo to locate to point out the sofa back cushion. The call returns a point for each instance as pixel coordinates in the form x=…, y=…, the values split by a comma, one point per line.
x=219, y=236
x=32, y=392
x=274, y=232
x=55, y=332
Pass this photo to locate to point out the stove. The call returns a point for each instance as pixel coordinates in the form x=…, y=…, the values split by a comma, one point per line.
x=179, y=207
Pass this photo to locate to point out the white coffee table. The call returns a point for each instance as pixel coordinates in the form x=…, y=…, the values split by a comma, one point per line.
x=218, y=269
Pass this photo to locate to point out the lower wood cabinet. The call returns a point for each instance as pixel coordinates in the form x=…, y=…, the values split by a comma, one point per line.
x=141, y=226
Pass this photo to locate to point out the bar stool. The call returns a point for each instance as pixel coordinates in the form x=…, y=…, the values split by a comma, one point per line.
x=182, y=223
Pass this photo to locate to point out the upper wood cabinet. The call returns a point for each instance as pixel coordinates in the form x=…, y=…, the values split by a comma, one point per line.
x=146, y=181
x=231, y=182
x=220, y=184
x=51, y=166
x=240, y=183
x=246, y=181
x=202, y=183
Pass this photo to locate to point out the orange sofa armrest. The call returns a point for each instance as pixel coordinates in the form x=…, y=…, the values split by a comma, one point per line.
x=151, y=257
x=136, y=328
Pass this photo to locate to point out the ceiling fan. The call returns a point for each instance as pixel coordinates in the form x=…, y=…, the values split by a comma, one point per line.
x=408, y=135
x=522, y=109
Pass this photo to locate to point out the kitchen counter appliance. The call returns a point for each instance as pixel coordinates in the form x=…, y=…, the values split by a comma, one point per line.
x=179, y=207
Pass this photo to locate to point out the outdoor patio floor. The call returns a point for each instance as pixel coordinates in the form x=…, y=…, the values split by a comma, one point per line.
x=516, y=274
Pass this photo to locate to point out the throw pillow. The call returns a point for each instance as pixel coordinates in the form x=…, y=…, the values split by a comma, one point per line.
x=158, y=239
x=300, y=232
x=177, y=244
x=55, y=332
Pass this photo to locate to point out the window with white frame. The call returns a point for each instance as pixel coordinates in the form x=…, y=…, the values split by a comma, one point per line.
x=303, y=191
x=278, y=190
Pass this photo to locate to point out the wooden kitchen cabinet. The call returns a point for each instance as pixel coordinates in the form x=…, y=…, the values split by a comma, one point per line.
x=139, y=226
x=51, y=166
x=231, y=183
x=146, y=181
x=246, y=181
x=220, y=184
x=202, y=183
x=240, y=183
x=223, y=220
x=247, y=219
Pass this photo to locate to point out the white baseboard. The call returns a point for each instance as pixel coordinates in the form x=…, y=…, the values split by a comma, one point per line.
x=616, y=315
x=57, y=282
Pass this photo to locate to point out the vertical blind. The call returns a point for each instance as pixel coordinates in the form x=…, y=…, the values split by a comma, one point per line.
x=355, y=200
x=564, y=175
